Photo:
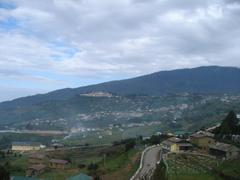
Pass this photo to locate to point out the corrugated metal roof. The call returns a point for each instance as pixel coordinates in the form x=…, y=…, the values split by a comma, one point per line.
x=37, y=156
x=224, y=147
x=37, y=167
x=80, y=177
x=58, y=161
x=26, y=143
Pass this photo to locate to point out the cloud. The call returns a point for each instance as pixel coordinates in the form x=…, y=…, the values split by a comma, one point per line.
x=106, y=40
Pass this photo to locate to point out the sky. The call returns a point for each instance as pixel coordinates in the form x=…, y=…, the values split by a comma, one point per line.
x=53, y=44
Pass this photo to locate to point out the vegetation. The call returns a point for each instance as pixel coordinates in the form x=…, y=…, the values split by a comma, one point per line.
x=228, y=126
x=197, y=80
x=98, y=161
x=4, y=174
x=160, y=172
x=130, y=115
x=155, y=139
x=229, y=169
x=186, y=166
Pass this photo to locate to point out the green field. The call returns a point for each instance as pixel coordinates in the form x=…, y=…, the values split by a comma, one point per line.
x=184, y=167
x=230, y=168
x=92, y=138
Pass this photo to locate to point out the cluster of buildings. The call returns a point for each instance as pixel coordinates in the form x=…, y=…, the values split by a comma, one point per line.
x=202, y=142
x=97, y=94
x=38, y=163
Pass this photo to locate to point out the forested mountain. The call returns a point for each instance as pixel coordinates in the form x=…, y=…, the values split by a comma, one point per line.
x=204, y=80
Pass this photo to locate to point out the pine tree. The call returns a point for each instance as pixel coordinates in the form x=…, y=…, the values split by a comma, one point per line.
x=229, y=124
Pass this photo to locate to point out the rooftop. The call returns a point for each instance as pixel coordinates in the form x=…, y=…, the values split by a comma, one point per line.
x=37, y=156
x=175, y=140
x=185, y=144
x=224, y=147
x=26, y=143
x=37, y=167
x=201, y=134
x=58, y=161
x=80, y=177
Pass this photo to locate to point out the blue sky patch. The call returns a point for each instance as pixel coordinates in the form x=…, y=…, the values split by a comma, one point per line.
x=9, y=24
x=7, y=5
x=67, y=50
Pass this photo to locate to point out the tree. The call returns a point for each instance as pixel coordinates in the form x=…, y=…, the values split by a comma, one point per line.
x=7, y=165
x=92, y=167
x=160, y=172
x=130, y=145
x=4, y=174
x=229, y=125
x=2, y=154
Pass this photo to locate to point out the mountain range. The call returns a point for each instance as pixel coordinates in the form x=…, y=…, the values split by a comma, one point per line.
x=203, y=80
x=194, y=95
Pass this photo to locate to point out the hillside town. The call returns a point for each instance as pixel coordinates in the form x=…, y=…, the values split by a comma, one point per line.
x=203, y=143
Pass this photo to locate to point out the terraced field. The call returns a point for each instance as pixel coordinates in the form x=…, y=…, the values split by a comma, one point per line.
x=185, y=166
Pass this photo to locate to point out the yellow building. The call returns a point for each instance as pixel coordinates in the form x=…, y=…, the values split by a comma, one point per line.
x=202, y=140
x=176, y=145
x=26, y=146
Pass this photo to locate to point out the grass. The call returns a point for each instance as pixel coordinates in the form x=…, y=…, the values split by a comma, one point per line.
x=194, y=176
x=92, y=138
x=122, y=166
x=230, y=168
x=58, y=174
x=16, y=165
x=118, y=161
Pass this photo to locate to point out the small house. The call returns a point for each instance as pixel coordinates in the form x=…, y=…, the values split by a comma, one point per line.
x=58, y=164
x=26, y=146
x=202, y=140
x=35, y=170
x=174, y=144
x=36, y=158
x=224, y=151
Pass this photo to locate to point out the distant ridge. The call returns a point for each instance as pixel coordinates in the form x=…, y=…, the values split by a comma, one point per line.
x=207, y=79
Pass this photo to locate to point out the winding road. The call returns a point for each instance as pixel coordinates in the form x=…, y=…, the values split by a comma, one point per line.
x=149, y=160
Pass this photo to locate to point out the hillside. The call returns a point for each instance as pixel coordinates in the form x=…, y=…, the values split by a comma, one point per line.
x=205, y=80
x=175, y=112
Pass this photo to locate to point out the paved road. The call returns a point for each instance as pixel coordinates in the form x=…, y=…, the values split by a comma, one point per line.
x=150, y=160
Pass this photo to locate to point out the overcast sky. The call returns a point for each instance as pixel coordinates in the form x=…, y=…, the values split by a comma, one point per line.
x=52, y=44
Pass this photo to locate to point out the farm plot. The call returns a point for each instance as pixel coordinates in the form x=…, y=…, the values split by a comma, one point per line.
x=186, y=166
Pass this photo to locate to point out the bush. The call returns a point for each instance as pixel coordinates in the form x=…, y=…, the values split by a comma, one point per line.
x=81, y=166
x=4, y=174
x=92, y=167
x=160, y=172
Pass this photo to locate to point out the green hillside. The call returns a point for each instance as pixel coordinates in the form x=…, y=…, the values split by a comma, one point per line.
x=176, y=112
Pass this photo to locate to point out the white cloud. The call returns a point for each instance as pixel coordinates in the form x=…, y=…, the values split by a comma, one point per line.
x=92, y=38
